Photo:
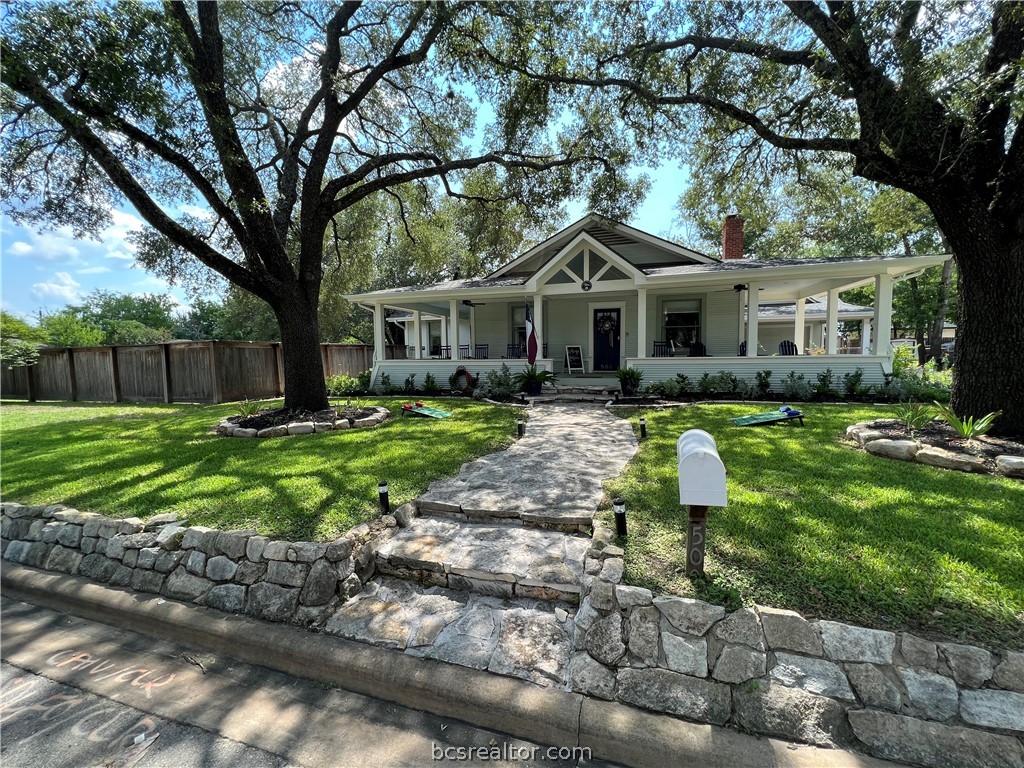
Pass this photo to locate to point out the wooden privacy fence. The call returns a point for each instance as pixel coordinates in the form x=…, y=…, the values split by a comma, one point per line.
x=177, y=371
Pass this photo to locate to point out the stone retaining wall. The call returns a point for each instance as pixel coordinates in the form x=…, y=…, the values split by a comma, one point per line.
x=298, y=582
x=770, y=671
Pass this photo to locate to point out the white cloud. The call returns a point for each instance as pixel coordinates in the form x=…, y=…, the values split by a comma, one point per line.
x=53, y=247
x=92, y=271
x=62, y=287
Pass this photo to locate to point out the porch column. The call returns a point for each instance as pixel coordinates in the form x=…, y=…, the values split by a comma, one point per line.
x=753, y=307
x=865, y=336
x=538, y=322
x=417, y=336
x=641, y=322
x=883, y=314
x=379, y=351
x=453, y=334
x=472, y=331
x=832, y=323
x=800, y=326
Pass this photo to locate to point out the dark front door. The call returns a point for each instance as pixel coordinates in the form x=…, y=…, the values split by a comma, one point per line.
x=607, y=332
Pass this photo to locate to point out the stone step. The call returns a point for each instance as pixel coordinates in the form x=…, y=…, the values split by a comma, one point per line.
x=489, y=559
x=524, y=638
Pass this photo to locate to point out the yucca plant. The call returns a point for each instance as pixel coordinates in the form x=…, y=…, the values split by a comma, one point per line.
x=970, y=427
x=913, y=415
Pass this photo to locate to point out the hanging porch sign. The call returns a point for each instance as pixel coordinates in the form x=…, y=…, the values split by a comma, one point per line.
x=574, y=359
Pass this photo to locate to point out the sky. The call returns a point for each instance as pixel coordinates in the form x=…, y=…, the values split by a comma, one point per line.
x=45, y=271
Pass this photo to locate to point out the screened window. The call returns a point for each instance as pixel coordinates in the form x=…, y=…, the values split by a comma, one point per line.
x=682, y=323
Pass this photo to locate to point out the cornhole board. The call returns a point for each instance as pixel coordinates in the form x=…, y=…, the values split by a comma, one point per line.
x=426, y=410
x=771, y=417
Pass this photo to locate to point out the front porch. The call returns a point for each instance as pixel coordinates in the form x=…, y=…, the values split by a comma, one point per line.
x=873, y=367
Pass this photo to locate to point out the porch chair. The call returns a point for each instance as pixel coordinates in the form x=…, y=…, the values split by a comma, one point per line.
x=464, y=351
x=787, y=347
x=697, y=349
x=444, y=353
x=661, y=349
x=480, y=353
x=743, y=349
x=514, y=352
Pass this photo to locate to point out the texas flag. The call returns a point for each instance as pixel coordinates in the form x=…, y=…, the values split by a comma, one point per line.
x=531, y=338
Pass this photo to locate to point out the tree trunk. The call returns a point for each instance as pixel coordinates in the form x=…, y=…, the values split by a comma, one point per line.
x=988, y=373
x=304, y=386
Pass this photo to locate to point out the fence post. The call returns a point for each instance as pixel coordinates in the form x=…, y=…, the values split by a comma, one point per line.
x=30, y=382
x=165, y=370
x=279, y=367
x=115, y=375
x=72, y=379
x=214, y=373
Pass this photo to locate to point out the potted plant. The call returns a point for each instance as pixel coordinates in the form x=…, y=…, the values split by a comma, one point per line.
x=629, y=380
x=532, y=379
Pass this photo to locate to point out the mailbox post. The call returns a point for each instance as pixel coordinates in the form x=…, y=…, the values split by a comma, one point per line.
x=701, y=485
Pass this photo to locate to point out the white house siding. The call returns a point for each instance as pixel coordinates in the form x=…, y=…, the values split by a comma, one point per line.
x=492, y=326
x=874, y=367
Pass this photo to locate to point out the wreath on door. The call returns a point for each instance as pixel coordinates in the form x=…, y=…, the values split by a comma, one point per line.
x=606, y=324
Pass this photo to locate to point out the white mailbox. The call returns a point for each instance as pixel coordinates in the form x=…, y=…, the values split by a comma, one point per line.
x=701, y=472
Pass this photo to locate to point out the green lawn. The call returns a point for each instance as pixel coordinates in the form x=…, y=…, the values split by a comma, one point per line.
x=141, y=460
x=820, y=527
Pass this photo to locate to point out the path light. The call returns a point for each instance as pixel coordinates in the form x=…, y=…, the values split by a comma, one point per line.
x=382, y=490
x=619, y=505
x=521, y=426
x=643, y=427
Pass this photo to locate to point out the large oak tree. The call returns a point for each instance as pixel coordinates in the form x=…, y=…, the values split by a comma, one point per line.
x=274, y=120
x=921, y=96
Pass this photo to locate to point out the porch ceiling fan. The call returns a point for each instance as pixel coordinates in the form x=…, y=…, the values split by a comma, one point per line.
x=471, y=303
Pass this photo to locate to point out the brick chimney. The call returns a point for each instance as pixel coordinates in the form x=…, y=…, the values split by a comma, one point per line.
x=732, y=237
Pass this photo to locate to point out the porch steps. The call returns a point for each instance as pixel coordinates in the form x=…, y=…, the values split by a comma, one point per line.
x=487, y=558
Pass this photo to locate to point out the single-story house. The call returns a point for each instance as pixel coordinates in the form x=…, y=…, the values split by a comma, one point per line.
x=604, y=295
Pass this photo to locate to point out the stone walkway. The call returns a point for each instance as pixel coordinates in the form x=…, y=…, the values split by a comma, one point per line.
x=553, y=475
x=480, y=585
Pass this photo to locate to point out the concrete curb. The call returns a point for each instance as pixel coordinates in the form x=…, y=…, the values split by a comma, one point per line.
x=544, y=715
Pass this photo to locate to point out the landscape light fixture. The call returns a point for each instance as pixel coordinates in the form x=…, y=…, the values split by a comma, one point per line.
x=382, y=491
x=619, y=505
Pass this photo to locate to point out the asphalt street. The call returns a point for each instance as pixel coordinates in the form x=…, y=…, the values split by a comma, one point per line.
x=81, y=693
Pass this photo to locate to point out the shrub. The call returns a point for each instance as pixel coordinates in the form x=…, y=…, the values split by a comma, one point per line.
x=968, y=428
x=763, y=382
x=344, y=385
x=823, y=388
x=429, y=383
x=684, y=382
x=410, y=383
x=363, y=377
x=385, y=387
x=726, y=383
x=851, y=382
x=706, y=384
x=663, y=389
x=629, y=378
x=903, y=359
x=497, y=384
x=795, y=387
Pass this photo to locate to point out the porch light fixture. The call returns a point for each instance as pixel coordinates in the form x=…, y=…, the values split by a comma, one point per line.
x=382, y=492
x=586, y=285
x=619, y=505
x=739, y=287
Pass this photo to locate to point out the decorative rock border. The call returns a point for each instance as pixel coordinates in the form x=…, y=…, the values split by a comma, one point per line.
x=377, y=414
x=770, y=671
x=298, y=582
x=866, y=435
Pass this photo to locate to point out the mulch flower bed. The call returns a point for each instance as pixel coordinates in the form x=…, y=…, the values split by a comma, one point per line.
x=280, y=416
x=941, y=435
x=279, y=422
